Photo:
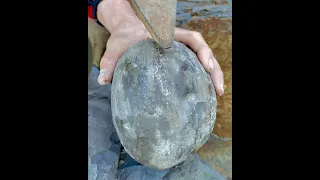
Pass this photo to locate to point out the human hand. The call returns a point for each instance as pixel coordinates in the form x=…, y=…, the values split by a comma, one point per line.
x=196, y=42
x=126, y=29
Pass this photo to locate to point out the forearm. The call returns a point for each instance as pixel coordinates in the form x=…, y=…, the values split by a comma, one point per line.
x=111, y=13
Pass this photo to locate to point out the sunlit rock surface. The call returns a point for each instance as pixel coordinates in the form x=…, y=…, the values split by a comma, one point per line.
x=217, y=152
x=213, y=18
x=217, y=31
x=163, y=103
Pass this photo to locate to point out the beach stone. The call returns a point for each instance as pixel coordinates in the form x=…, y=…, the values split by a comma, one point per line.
x=163, y=103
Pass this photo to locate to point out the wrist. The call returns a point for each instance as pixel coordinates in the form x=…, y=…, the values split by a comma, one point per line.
x=111, y=13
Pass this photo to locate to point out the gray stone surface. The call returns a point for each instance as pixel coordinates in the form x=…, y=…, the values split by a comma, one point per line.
x=163, y=103
x=140, y=172
x=104, y=147
x=103, y=143
x=191, y=169
x=188, y=9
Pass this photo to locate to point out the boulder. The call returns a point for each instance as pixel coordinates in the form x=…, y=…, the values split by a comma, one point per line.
x=163, y=103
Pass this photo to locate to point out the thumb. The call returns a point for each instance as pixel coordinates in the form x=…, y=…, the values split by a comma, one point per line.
x=107, y=65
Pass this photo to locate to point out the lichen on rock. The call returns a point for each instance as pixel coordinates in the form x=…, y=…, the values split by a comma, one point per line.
x=163, y=103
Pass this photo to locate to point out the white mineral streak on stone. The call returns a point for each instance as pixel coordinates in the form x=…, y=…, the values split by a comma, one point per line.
x=126, y=126
x=126, y=108
x=176, y=67
x=159, y=112
x=190, y=97
x=130, y=133
x=164, y=88
x=134, y=65
x=163, y=150
x=161, y=77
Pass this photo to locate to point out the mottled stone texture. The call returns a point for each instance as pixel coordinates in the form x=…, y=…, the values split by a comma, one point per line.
x=103, y=143
x=213, y=19
x=217, y=152
x=163, y=103
x=191, y=169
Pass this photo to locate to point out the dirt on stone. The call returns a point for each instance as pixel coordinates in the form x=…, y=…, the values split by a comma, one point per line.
x=217, y=33
x=217, y=152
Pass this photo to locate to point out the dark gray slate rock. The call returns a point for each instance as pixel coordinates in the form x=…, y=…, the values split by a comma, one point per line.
x=126, y=160
x=140, y=172
x=103, y=143
x=163, y=103
x=191, y=169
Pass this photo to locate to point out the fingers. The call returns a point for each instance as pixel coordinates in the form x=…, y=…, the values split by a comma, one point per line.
x=107, y=65
x=216, y=75
x=212, y=66
x=196, y=42
x=191, y=38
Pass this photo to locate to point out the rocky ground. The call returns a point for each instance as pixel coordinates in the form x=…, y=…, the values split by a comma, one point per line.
x=217, y=152
x=213, y=18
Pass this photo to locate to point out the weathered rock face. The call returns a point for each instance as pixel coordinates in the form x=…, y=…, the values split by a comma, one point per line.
x=213, y=19
x=163, y=103
x=103, y=143
x=217, y=152
x=191, y=169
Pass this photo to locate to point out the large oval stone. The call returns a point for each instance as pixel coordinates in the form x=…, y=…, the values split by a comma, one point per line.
x=163, y=103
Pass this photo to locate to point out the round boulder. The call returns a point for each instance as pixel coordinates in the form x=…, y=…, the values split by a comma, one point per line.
x=163, y=103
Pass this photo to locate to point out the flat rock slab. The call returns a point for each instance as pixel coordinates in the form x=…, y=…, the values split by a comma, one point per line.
x=187, y=10
x=217, y=152
x=191, y=169
x=163, y=103
x=103, y=143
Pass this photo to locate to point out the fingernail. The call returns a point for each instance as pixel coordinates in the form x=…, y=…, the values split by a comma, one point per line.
x=210, y=63
x=102, y=79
